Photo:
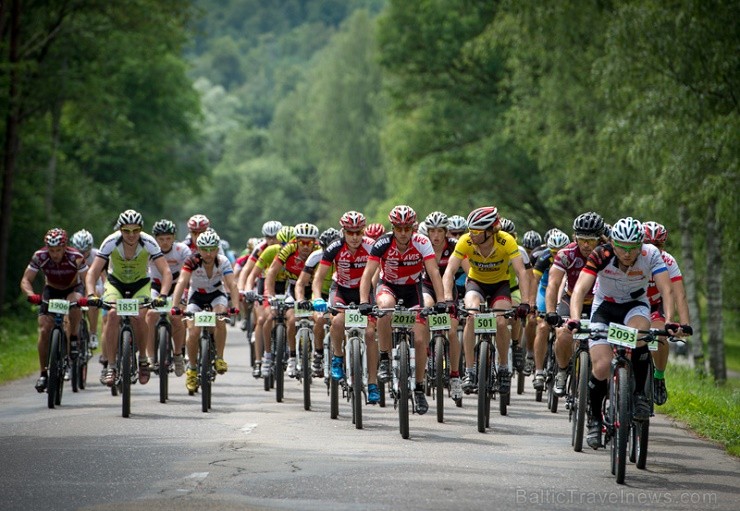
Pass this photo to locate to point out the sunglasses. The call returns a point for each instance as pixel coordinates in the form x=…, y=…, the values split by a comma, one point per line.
x=208, y=249
x=403, y=228
x=476, y=232
x=135, y=230
x=590, y=241
x=626, y=248
x=353, y=233
x=306, y=243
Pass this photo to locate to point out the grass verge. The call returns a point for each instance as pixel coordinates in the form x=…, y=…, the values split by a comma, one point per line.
x=710, y=410
x=18, y=351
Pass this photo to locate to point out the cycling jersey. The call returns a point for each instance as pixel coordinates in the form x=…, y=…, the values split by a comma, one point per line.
x=401, y=268
x=200, y=282
x=61, y=275
x=673, y=272
x=444, y=260
x=542, y=269
x=312, y=262
x=617, y=286
x=348, y=266
x=265, y=260
x=291, y=260
x=128, y=271
x=175, y=258
x=571, y=261
x=494, y=267
x=255, y=255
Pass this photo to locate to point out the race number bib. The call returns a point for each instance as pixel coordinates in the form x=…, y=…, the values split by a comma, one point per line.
x=301, y=313
x=403, y=319
x=622, y=335
x=585, y=323
x=59, y=307
x=485, y=323
x=127, y=307
x=165, y=309
x=353, y=319
x=439, y=322
x=203, y=318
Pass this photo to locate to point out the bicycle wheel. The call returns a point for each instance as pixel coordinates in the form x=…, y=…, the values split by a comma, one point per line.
x=84, y=354
x=333, y=389
x=279, y=367
x=520, y=382
x=580, y=401
x=403, y=388
x=621, y=423
x=127, y=361
x=551, y=370
x=642, y=432
x=165, y=351
x=356, y=365
x=53, y=367
x=205, y=369
x=484, y=397
x=439, y=376
x=381, y=389
x=305, y=347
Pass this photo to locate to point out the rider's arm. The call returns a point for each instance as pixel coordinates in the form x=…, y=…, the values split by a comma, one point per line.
x=524, y=282
x=553, y=289
x=448, y=279
x=164, y=270
x=300, y=286
x=663, y=282
x=271, y=276
x=583, y=285
x=182, y=282
x=367, y=280
x=318, y=279
x=93, y=274
x=433, y=273
x=244, y=275
x=27, y=281
x=230, y=284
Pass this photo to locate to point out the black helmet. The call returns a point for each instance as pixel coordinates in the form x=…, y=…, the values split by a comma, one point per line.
x=588, y=224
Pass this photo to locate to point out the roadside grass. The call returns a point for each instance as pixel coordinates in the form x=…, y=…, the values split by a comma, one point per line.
x=18, y=352
x=712, y=411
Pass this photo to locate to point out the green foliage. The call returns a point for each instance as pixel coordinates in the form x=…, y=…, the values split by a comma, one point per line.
x=18, y=350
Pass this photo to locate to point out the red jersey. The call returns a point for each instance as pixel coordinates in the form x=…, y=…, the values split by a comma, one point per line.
x=348, y=266
x=401, y=268
x=62, y=275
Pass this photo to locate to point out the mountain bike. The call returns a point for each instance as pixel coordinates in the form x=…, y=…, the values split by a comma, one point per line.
x=58, y=361
x=438, y=364
x=279, y=348
x=78, y=364
x=206, y=320
x=304, y=335
x=164, y=351
x=485, y=327
x=579, y=371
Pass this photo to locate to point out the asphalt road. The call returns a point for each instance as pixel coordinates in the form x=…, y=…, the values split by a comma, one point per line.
x=251, y=452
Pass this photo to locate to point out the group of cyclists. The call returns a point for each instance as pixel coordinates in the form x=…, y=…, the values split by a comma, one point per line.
x=608, y=274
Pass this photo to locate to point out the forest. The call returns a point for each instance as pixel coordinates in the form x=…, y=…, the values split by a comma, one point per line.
x=298, y=110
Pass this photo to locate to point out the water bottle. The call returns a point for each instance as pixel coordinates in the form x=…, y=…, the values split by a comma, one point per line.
x=394, y=365
x=413, y=360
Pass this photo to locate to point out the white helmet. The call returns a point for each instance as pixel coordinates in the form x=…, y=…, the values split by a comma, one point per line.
x=271, y=228
x=557, y=240
x=208, y=239
x=628, y=230
x=82, y=240
x=129, y=217
x=437, y=220
x=422, y=229
x=306, y=230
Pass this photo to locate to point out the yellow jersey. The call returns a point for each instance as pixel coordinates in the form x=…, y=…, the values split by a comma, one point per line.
x=493, y=267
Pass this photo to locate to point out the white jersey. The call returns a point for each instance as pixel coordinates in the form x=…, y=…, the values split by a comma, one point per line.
x=175, y=258
x=200, y=282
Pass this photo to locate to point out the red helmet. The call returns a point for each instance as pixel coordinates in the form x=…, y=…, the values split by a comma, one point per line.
x=375, y=231
x=198, y=223
x=402, y=215
x=655, y=232
x=483, y=218
x=352, y=221
x=56, y=237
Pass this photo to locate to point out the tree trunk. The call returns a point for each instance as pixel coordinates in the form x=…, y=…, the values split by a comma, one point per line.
x=51, y=170
x=11, y=146
x=714, y=296
x=689, y=279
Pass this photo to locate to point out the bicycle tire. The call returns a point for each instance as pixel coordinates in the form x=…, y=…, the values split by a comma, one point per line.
x=53, y=367
x=74, y=374
x=403, y=388
x=83, y=340
x=461, y=362
x=165, y=348
x=305, y=347
x=520, y=383
x=333, y=394
x=484, y=396
x=356, y=366
x=642, y=430
x=381, y=389
x=439, y=376
x=204, y=370
x=622, y=423
x=581, y=401
x=279, y=367
x=126, y=355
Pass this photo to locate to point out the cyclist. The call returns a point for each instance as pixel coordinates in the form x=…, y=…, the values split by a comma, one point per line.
x=437, y=224
x=349, y=256
x=489, y=252
x=401, y=255
x=256, y=285
x=83, y=241
x=209, y=279
x=176, y=254
x=304, y=284
x=270, y=230
x=530, y=241
x=621, y=271
x=374, y=231
x=556, y=239
x=656, y=234
x=587, y=231
x=290, y=260
x=456, y=228
x=62, y=266
x=127, y=253
x=197, y=224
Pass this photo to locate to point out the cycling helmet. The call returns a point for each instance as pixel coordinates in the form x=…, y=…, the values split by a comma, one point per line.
x=437, y=220
x=198, y=223
x=271, y=228
x=457, y=224
x=56, y=237
x=607, y=230
x=208, y=239
x=306, y=230
x=328, y=236
x=82, y=240
x=402, y=215
x=422, y=229
x=483, y=218
x=531, y=240
x=352, y=221
x=548, y=233
x=374, y=230
x=654, y=232
x=164, y=226
x=628, y=230
x=129, y=217
x=285, y=234
x=557, y=240
x=508, y=226
x=588, y=225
